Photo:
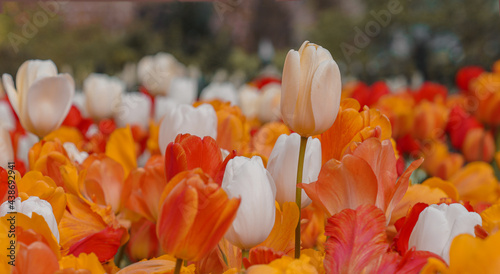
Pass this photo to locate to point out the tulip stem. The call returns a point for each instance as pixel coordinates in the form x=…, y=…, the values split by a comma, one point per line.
x=178, y=265
x=298, y=192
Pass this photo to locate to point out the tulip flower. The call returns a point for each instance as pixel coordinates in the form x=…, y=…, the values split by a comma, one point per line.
x=310, y=91
x=478, y=145
x=282, y=165
x=249, y=100
x=43, y=97
x=156, y=72
x=6, y=150
x=134, y=109
x=33, y=205
x=194, y=215
x=7, y=121
x=200, y=121
x=221, y=91
x=103, y=95
x=248, y=179
x=269, y=109
x=438, y=225
x=183, y=90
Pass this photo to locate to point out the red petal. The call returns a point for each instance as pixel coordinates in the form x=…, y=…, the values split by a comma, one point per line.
x=104, y=244
x=262, y=255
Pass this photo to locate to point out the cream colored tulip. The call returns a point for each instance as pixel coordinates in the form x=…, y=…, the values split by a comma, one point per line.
x=310, y=91
x=6, y=150
x=102, y=95
x=135, y=109
x=43, y=97
x=156, y=72
x=200, y=121
x=269, y=109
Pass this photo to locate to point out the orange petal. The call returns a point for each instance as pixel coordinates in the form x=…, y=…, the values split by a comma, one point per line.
x=121, y=148
x=356, y=238
x=282, y=236
x=346, y=184
x=84, y=261
x=35, y=258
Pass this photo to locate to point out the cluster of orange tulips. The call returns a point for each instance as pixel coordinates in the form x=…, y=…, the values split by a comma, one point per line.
x=343, y=179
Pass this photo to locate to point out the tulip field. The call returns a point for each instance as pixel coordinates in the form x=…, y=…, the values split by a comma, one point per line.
x=304, y=171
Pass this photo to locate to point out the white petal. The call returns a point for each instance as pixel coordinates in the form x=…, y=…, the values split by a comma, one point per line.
x=48, y=102
x=326, y=89
x=12, y=94
x=290, y=86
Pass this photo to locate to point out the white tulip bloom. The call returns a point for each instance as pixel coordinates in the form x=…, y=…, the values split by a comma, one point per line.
x=249, y=101
x=248, y=179
x=200, y=121
x=6, y=150
x=135, y=109
x=103, y=95
x=438, y=225
x=43, y=97
x=156, y=72
x=36, y=205
x=183, y=90
x=221, y=91
x=282, y=165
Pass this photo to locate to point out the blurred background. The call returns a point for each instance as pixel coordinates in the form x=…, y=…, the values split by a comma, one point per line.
x=370, y=40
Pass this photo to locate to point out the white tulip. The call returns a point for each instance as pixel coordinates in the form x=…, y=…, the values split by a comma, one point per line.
x=221, y=91
x=24, y=144
x=6, y=150
x=183, y=90
x=249, y=100
x=438, y=225
x=135, y=109
x=7, y=120
x=163, y=104
x=311, y=87
x=36, y=205
x=282, y=165
x=248, y=179
x=156, y=72
x=200, y=121
x=103, y=95
x=270, y=103
x=43, y=97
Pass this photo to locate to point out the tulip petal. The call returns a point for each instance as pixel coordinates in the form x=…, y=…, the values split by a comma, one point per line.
x=48, y=102
x=282, y=235
x=346, y=184
x=325, y=95
x=36, y=258
x=8, y=84
x=290, y=86
x=104, y=244
x=261, y=255
x=356, y=238
x=121, y=148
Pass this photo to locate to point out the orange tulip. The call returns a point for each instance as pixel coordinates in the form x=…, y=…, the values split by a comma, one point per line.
x=353, y=126
x=47, y=157
x=34, y=183
x=366, y=175
x=146, y=185
x=87, y=227
x=486, y=89
x=476, y=182
x=195, y=213
x=103, y=182
x=143, y=243
x=264, y=139
x=189, y=151
x=478, y=145
x=439, y=161
x=399, y=110
x=430, y=120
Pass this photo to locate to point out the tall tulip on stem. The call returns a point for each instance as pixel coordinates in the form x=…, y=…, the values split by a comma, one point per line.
x=310, y=100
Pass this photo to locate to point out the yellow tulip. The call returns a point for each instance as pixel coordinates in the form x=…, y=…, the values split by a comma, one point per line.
x=310, y=91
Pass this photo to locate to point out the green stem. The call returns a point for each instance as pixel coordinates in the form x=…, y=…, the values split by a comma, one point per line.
x=298, y=192
x=178, y=265
x=244, y=253
x=119, y=256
